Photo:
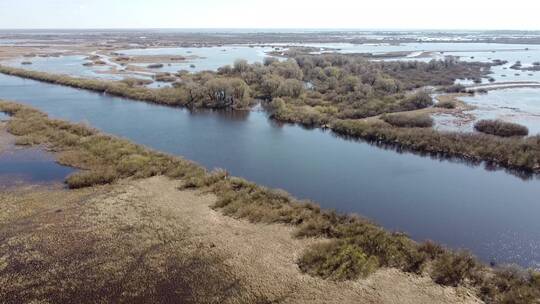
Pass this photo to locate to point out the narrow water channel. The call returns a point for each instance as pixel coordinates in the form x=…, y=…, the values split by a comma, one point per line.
x=492, y=213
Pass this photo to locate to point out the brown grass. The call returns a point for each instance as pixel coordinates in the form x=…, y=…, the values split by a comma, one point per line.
x=408, y=120
x=64, y=247
x=500, y=128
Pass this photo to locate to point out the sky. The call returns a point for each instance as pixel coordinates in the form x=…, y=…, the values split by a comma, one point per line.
x=353, y=14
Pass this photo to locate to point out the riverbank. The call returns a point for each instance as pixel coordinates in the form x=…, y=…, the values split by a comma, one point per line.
x=146, y=240
x=357, y=248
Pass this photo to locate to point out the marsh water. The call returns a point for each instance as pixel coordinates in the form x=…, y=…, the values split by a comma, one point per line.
x=211, y=58
x=30, y=165
x=517, y=105
x=204, y=58
x=70, y=65
x=491, y=212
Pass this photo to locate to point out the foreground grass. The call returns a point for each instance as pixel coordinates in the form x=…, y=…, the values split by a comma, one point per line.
x=355, y=246
x=88, y=246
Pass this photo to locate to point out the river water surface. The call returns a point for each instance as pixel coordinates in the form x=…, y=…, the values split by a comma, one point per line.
x=492, y=213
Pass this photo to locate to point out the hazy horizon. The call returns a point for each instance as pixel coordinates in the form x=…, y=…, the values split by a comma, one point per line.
x=269, y=29
x=278, y=15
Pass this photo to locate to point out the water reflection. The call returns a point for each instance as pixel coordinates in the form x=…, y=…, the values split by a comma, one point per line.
x=222, y=114
x=525, y=175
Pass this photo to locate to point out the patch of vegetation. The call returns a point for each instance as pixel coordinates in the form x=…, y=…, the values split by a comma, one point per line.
x=512, y=152
x=446, y=104
x=102, y=158
x=136, y=82
x=408, y=120
x=456, y=88
x=500, y=128
x=516, y=66
x=500, y=62
x=356, y=246
x=208, y=92
x=453, y=268
x=511, y=284
x=164, y=77
x=535, y=67
x=337, y=260
x=155, y=66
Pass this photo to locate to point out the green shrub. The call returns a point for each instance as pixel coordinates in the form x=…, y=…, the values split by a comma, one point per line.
x=419, y=100
x=337, y=260
x=91, y=178
x=431, y=249
x=453, y=268
x=511, y=285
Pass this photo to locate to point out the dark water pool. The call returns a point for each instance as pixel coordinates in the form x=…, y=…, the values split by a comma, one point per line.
x=30, y=165
x=493, y=213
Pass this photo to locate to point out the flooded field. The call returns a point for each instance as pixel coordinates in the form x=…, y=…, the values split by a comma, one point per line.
x=70, y=65
x=518, y=105
x=204, y=58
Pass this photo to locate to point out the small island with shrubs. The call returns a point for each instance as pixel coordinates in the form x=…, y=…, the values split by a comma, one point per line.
x=500, y=128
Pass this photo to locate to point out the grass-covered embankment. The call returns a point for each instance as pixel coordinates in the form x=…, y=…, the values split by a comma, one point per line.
x=356, y=247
